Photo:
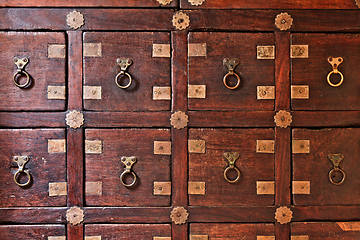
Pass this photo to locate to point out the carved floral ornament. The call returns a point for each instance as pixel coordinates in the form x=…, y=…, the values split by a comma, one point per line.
x=74, y=119
x=75, y=20
x=164, y=2
x=75, y=215
x=179, y=120
x=283, y=119
x=283, y=215
x=283, y=21
x=181, y=20
x=179, y=215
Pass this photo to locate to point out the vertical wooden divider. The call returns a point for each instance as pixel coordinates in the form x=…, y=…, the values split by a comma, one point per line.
x=179, y=137
x=282, y=135
x=75, y=137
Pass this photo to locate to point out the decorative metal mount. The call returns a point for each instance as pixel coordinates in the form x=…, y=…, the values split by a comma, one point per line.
x=75, y=215
x=181, y=20
x=179, y=120
x=283, y=21
x=164, y=2
x=179, y=215
x=196, y=2
x=75, y=19
x=74, y=119
x=283, y=215
x=283, y=119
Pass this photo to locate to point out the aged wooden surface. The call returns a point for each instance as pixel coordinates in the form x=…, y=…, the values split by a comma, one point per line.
x=34, y=215
x=32, y=119
x=43, y=71
x=323, y=230
x=41, y=232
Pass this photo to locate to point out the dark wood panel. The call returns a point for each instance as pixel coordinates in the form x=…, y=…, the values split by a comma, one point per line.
x=325, y=230
x=328, y=213
x=32, y=215
x=44, y=167
x=75, y=70
x=75, y=232
x=32, y=119
x=40, y=68
x=325, y=118
x=27, y=232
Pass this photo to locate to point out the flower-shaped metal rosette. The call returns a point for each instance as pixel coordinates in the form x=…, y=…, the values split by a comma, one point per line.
x=357, y=3
x=74, y=119
x=283, y=21
x=179, y=120
x=75, y=215
x=283, y=215
x=196, y=2
x=164, y=2
x=181, y=20
x=179, y=215
x=75, y=19
x=283, y=119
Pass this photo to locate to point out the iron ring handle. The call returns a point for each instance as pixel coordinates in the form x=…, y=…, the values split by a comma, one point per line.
x=337, y=170
x=237, y=171
x=123, y=175
x=20, y=72
x=119, y=75
x=335, y=72
x=232, y=74
x=22, y=184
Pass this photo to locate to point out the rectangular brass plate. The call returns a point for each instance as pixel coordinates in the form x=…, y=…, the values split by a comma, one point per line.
x=199, y=237
x=265, y=52
x=302, y=237
x=56, y=92
x=265, y=146
x=196, y=91
x=57, y=238
x=265, y=187
x=57, y=189
x=161, y=238
x=56, y=145
x=93, y=188
x=162, y=147
x=300, y=146
x=299, y=91
x=196, y=188
x=56, y=51
x=197, y=49
x=265, y=238
x=92, y=92
x=196, y=146
x=93, y=146
x=349, y=226
x=161, y=50
x=299, y=51
x=265, y=92
x=301, y=187
x=162, y=188
x=161, y=93
x=93, y=238
x=92, y=50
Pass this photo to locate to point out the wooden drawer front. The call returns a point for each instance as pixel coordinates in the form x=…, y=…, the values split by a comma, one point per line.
x=38, y=232
x=207, y=52
x=311, y=166
x=148, y=70
x=204, y=231
x=263, y=4
x=104, y=167
x=207, y=184
x=312, y=71
x=325, y=231
x=46, y=165
x=45, y=52
x=128, y=231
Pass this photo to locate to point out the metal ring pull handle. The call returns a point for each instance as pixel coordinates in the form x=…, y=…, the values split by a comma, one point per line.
x=124, y=63
x=21, y=161
x=128, y=162
x=335, y=62
x=21, y=63
x=336, y=159
x=231, y=158
x=231, y=64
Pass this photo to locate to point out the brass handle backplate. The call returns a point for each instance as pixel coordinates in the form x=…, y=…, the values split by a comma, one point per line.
x=123, y=63
x=128, y=162
x=336, y=159
x=335, y=62
x=21, y=161
x=21, y=63
x=230, y=64
x=231, y=157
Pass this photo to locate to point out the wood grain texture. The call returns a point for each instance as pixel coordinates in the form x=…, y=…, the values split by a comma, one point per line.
x=44, y=167
x=315, y=166
x=107, y=167
x=75, y=70
x=40, y=232
x=323, y=231
x=75, y=232
x=282, y=71
x=210, y=71
x=325, y=118
x=209, y=167
x=32, y=119
x=40, y=68
x=33, y=215
x=325, y=213
x=146, y=71
x=128, y=231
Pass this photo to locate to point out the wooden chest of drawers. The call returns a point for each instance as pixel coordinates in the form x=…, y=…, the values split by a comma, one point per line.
x=189, y=119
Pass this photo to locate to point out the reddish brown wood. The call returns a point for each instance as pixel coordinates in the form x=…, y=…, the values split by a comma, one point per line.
x=43, y=167
x=43, y=71
x=180, y=232
x=209, y=167
x=32, y=215
x=128, y=231
x=323, y=231
x=146, y=71
x=328, y=213
x=127, y=215
x=282, y=231
x=325, y=119
x=41, y=232
x=75, y=70
x=32, y=119
x=75, y=232
x=126, y=119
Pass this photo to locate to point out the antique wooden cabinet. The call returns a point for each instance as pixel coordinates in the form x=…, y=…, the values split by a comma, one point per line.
x=180, y=119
